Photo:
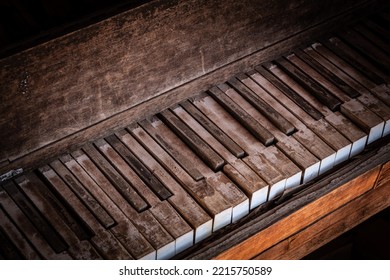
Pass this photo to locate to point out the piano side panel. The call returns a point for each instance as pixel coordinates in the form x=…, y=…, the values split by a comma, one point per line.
x=56, y=90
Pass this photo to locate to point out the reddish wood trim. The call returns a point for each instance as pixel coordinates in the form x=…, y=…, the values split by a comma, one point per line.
x=333, y=225
x=302, y=218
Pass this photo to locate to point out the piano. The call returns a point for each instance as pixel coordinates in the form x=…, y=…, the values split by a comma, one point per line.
x=197, y=130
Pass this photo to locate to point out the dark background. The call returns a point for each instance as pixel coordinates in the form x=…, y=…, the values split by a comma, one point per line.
x=25, y=23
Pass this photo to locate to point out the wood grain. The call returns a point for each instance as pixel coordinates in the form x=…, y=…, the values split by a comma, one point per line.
x=64, y=78
x=331, y=226
x=302, y=218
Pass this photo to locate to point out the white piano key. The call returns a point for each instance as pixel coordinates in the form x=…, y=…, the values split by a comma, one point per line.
x=203, y=231
x=327, y=163
x=259, y=197
x=150, y=256
x=166, y=252
x=375, y=133
x=222, y=219
x=343, y=154
x=358, y=146
x=240, y=211
x=294, y=180
x=311, y=172
x=277, y=189
x=184, y=242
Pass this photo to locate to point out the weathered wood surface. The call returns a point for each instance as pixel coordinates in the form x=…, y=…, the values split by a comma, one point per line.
x=275, y=226
x=104, y=76
x=336, y=223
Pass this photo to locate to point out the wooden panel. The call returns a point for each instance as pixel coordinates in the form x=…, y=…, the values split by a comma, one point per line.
x=331, y=226
x=197, y=37
x=301, y=218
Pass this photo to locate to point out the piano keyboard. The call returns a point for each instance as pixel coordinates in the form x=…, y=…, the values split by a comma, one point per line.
x=156, y=187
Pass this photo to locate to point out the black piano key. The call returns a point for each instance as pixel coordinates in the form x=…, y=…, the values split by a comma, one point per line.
x=323, y=95
x=334, y=43
x=36, y=218
x=27, y=228
x=103, y=240
x=296, y=98
x=365, y=48
x=90, y=202
x=72, y=219
x=8, y=250
x=213, y=129
x=370, y=35
x=277, y=119
x=243, y=117
x=203, y=150
x=380, y=31
x=142, y=171
x=126, y=190
x=77, y=248
x=336, y=80
x=184, y=162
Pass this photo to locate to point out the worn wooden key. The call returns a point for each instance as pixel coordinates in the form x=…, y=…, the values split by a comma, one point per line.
x=369, y=102
x=52, y=237
x=78, y=249
x=103, y=240
x=193, y=214
x=252, y=185
x=321, y=127
x=256, y=101
x=331, y=76
x=301, y=102
x=350, y=56
x=270, y=174
x=213, y=129
x=368, y=121
x=243, y=117
x=216, y=180
x=35, y=188
x=192, y=140
x=304, y=135
x=204, y=193
x=141, y=224
x=374, y=54
x=379, y=108
x=35, y=238
x=96, y=209
x=115, y=178
x=142, y=171
x=323, y=95
x=26, y=249
x=362, y=103
x=169, y=173
x=247, y=141
x=340, y=67
x=148, y=125
x=289, y=145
